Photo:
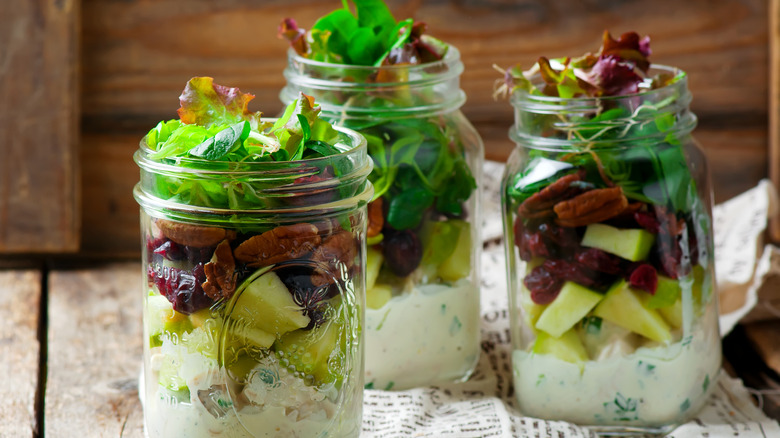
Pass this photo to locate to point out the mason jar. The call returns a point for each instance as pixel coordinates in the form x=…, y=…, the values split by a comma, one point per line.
x=422, y=280
x=253, y=310
x=607, y=218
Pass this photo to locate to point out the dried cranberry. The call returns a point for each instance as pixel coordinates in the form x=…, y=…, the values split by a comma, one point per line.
x=647, y=221
x=171, y=250
x=560, y=241
x=601, y=261
x=305, y=294
x=644, y=277
x=198, y=255
x=570, y=271
x=181, y=287
x=544, y=286
x=402, y=251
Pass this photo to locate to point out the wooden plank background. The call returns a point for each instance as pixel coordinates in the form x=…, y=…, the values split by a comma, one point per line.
x=94, y=351
x=39, y=120
x=774, y=106
x=20, y=303
x=137, y=56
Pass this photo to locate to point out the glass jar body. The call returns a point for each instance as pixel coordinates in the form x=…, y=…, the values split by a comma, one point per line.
x=608, y=239
x=253, y=296
x=422, y=314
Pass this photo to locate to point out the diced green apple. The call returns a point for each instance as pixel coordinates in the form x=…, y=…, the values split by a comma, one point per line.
x=161, y=319
x=624, y=307
x=666, y=294
x=266, y=304
x=374, y=259
x=632, y=243
x=314, y=352
x=567, y=347
x=673, y=314
x=532, y=310
x=438, y=239
x=458, y=264
x=378, y=296
x=569, y=307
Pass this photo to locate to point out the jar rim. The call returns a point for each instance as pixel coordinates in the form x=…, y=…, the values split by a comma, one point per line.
x=451, y=56
x=217, y=167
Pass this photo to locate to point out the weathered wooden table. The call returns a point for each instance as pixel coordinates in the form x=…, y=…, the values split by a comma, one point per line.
x=71, y=343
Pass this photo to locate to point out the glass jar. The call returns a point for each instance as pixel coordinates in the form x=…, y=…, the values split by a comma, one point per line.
x=422, y=299
x=607, y=217
x=253, y=316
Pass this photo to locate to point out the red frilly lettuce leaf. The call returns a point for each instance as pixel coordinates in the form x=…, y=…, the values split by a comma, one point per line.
x=203, y=102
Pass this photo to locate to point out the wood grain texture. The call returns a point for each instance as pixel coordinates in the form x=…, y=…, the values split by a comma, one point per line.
x=20, y=302
x=774, y=108
x=94, y=353
x=138, y=55
x=39, y=119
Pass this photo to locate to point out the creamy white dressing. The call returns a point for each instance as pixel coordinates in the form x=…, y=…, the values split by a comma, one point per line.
x=427, y=335
x=652, y=386
x=273, y=403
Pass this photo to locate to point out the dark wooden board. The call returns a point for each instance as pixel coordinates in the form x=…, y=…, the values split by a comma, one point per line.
x=94, y=352
x=774, y=107
x=20, y=303
x=39, y=120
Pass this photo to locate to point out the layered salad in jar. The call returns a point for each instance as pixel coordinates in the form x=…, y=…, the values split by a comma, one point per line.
x=422, y=292
x=609, y=243
x=253, y=300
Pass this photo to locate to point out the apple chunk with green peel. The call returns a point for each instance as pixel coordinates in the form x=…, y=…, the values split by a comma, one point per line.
x=318, y=352
x=569, y=307
x=161, y=319
x=625, y=307
x=374, y=259
x=267, y=305
x=632, y=243
x=458, y=264
x=567, y=347
x=378, y=296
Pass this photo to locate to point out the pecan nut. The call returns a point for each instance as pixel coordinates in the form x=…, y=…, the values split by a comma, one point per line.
x=376, y=218
x=282, y=243
x=193, y=235
x=593, y=206
x=540, y=204
x=220, y=273
x=336, y=256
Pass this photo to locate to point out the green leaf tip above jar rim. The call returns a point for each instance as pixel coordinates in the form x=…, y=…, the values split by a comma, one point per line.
x=369, y=36
x=215, y=125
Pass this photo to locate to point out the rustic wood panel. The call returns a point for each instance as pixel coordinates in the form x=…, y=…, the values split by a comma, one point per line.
x=39, y=119
x=774, y=107
x=138, y=56
x=20, y=302
x=94, y=353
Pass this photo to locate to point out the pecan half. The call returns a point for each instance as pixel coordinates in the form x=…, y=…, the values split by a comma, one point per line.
x=279, y=244
x=590, y=207
x=220, y=273
x=338, y=253
x=376, y=218
x=540, y=204
x=193, y=235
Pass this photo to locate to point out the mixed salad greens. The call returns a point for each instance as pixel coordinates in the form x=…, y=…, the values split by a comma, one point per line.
x=608, y=221
x=217, y=131
x=260, y=315
x=420, y=170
